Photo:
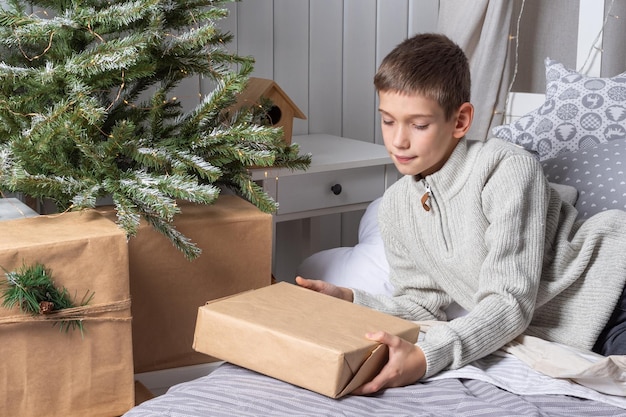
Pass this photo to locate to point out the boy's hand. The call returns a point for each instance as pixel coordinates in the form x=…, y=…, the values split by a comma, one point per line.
x=326, y=288
x=406, y=364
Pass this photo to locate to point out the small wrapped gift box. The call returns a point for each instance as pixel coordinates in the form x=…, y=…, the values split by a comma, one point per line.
x=48, y=371
x=299, y=336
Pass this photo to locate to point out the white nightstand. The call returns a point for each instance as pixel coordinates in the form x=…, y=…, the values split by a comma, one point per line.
x=345, y=175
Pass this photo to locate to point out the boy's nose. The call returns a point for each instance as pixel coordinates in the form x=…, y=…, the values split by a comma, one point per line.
x=400, y=138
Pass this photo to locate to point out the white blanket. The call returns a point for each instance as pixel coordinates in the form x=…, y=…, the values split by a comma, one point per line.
x=603, y=374
x=532, y=366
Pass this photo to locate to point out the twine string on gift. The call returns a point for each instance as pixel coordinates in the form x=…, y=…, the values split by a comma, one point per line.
x=82, y=313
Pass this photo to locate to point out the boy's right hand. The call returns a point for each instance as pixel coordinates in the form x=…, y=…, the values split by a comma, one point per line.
x=326, y=288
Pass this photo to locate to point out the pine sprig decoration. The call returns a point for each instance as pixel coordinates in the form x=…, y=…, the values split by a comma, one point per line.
x=88, y=109
x=32, y=290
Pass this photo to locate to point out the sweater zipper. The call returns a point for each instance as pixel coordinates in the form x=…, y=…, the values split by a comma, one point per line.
x=426, y=196
x=427, y=201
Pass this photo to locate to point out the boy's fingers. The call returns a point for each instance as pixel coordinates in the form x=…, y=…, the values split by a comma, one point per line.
x=310, y=284
x=303, y=282
x=380, y=337
x=369, y=388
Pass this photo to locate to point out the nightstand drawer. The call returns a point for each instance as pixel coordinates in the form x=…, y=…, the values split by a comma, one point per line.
x=329, y=189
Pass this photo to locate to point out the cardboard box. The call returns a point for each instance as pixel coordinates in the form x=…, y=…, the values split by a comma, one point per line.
x=167, y=289
x=299, y=336
x=45, y=371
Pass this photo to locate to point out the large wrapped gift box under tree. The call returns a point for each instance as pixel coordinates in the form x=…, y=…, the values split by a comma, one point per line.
x=167, y=289
x=46, y=371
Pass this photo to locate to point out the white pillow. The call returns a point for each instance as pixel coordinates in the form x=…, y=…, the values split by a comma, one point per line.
x=363, y=266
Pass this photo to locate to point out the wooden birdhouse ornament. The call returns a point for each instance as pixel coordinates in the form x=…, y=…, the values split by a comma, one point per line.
x=283, y=109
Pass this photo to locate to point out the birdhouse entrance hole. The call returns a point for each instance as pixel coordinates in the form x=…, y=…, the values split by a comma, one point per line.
x=274, y=114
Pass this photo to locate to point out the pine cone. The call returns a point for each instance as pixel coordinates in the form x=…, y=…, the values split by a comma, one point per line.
x=46, y=307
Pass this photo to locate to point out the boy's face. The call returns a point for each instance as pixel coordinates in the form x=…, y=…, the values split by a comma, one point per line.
x=416, y=133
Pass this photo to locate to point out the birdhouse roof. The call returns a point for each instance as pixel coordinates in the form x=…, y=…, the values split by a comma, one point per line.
x=263, y=87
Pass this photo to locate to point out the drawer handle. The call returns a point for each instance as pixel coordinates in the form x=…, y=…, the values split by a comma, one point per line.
x=336, y=189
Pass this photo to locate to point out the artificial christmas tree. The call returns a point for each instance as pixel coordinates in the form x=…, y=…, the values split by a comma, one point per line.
x=87, y=110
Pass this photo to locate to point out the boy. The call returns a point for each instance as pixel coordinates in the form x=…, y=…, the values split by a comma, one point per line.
x=477, y=223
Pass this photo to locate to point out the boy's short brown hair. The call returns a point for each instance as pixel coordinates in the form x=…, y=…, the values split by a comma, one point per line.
x=428, y=64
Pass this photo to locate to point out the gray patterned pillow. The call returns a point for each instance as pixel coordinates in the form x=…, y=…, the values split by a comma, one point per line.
x=579, y=112
x=597, y=173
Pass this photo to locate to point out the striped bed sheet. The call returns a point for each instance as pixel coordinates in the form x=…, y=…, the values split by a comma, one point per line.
x=497, y=385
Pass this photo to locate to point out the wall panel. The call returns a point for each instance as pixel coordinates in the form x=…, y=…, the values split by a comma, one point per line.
x=255, y=34
x=325, y=94
x=325, y=66
x=291, y=54
x=359, y=67
x=392, y=26
x=423, y=16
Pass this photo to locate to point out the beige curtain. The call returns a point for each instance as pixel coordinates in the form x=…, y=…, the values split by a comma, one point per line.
x=482, y=29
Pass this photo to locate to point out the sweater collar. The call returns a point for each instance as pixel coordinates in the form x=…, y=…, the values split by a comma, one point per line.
x=454, y=173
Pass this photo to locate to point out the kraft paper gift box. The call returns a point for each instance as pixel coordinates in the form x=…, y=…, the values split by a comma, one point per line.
x=167, y=288
x=299, y=336
x=48, y=372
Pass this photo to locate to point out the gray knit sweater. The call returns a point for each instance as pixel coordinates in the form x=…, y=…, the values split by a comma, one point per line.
x=500, y=242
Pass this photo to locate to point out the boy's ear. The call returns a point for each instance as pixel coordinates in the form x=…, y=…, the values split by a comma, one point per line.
x=464, y=120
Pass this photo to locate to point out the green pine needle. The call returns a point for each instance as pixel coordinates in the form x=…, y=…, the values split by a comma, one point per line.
x=28, y=287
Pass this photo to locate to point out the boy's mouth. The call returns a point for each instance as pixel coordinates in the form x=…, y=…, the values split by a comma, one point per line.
x=403, y=159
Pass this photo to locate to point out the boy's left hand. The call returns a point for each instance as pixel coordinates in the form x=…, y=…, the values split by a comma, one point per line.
x=406, y=364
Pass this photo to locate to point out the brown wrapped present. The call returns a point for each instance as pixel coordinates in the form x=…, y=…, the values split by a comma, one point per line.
x=272, y=329
x=48, y=371
x=167, y=289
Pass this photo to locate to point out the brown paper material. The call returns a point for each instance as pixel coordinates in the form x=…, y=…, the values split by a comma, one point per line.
x=299, y=336
x=167, y=289
x=47, y=372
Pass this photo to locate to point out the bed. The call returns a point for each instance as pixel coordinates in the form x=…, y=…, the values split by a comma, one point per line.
x=233, y=391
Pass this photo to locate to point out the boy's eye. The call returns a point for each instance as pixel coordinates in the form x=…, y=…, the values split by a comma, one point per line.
x=387, y=122
x=420, y=127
